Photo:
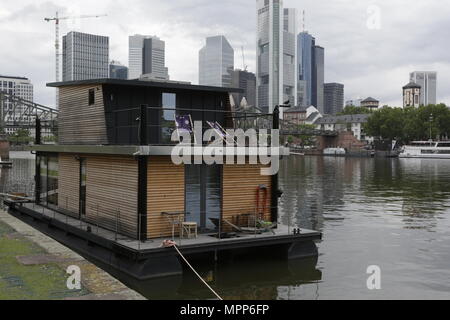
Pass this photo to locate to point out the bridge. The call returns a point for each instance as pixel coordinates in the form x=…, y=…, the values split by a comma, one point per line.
x=260, y=121
x=293, y=129
x=17, y=113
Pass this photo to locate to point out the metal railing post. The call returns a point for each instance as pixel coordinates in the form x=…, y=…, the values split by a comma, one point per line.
x=256, y=212
x=139, y=231
x=97, y=219
x=117, y=224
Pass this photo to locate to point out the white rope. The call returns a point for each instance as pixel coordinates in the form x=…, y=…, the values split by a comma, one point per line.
x=181, y=255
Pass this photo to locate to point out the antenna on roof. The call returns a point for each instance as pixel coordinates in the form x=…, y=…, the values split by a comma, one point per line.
x=304, y=21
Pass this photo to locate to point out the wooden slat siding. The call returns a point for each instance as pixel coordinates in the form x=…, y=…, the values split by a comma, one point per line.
x=165, y=194
x=240, y=183
x=112, y=185
x=78, y=122
x=68, y=183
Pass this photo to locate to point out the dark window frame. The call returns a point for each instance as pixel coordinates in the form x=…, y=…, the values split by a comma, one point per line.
x=91, y=97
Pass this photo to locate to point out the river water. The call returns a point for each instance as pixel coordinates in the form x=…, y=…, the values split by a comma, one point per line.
x=390, y=213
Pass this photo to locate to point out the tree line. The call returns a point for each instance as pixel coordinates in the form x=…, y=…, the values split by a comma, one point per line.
x=409, y=124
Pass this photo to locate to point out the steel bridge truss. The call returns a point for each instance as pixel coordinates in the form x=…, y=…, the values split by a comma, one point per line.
x=17, y=113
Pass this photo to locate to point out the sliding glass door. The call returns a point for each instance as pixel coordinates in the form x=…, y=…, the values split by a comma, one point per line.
x=203, y=195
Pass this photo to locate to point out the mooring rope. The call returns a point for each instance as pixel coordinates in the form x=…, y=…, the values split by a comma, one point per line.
x=192, y=268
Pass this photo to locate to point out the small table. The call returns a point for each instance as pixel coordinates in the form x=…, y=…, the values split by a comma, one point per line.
x=190, y=228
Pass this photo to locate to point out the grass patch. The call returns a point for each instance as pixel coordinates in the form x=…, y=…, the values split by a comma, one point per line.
x=20, y=282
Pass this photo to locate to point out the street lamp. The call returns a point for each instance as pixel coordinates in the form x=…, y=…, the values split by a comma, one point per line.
x=431, y=128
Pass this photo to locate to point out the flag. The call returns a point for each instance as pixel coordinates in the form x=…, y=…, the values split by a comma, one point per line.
x=184, y=123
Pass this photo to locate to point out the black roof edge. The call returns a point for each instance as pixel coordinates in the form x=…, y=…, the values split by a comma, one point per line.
x=143, y=83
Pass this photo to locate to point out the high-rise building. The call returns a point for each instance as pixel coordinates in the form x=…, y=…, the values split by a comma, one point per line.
x=247, y=81
x=427, y=80
x=274, y=53
x=333, y=98
x=318, y=78
x=146, y=58
x=118, y=71
x=216, y=58
x=20, y=87
x=305, y=53
x=290, y=56
x=311, y=72
x=85, y=56
x=411, y=95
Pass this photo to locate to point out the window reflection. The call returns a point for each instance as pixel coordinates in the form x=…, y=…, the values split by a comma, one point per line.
x=169, y=102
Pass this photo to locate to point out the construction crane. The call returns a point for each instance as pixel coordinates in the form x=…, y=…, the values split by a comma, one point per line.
x=243, y=60
x=57, y=18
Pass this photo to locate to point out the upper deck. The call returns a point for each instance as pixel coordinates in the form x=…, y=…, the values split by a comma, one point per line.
x=113, y=112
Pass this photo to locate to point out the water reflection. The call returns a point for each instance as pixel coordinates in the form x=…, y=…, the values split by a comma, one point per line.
x=251, y=280
x=20, y=176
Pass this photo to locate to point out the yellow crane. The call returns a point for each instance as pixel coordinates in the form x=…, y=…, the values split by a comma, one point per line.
x=57, y=18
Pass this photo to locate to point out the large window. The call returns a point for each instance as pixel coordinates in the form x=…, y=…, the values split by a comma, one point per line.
x=203, y=195
x=169, y=103
x=49, y=172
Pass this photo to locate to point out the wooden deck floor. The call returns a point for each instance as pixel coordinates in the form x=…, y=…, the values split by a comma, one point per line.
x=153, y=244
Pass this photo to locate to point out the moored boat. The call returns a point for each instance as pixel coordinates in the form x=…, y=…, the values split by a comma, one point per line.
x=427, y=150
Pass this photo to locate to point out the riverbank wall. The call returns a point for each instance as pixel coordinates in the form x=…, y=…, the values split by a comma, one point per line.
x=34, y=267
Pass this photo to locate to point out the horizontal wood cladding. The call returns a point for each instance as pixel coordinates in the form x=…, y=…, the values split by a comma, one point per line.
x=68, y=184
x=240, y=185
x=112, y=193
x=165, y=193
x=78, y=122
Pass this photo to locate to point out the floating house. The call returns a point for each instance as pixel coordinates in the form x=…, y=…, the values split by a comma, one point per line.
x=110, y=186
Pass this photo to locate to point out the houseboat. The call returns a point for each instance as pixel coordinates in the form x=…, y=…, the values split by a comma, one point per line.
x=110, y=189
x=427, y=150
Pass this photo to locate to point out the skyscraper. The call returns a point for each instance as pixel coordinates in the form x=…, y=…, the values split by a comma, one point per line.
x=427, y=80
x=245, y=80
x=305, y=53
x=318, y=78
x=311, y=72
x=85, y=56
x=290, y=56
x=216, y=58
x=333, y=98
x=146, y=57
x=118, y=71
x=274, y=53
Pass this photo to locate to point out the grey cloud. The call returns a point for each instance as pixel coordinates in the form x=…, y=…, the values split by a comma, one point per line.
x=369, y=62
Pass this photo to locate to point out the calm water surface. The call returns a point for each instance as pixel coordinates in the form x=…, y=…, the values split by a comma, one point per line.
x=386, y=212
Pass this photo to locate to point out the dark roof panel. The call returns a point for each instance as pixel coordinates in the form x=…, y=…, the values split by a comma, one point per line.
x=143, y=83
x=412, y=85
x=370, y=99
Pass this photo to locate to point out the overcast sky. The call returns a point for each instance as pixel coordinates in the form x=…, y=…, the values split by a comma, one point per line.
x=369, y=58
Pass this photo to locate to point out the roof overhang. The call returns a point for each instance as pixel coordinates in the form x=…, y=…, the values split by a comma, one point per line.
x=161, y=150
x=143, y=83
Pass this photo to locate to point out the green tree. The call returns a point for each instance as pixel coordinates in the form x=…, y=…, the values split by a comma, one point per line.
x=21, y=136
x=307, y=139
x=386, y=123
x=410, y=123
x=350, y=110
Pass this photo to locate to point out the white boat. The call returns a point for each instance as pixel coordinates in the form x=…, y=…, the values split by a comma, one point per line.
x=427, y=150
x=334, y=152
